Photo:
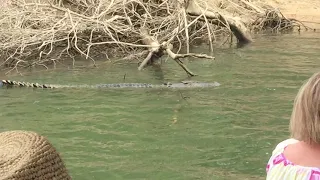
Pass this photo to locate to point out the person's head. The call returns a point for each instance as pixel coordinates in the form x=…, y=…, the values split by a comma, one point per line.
x=305, y=118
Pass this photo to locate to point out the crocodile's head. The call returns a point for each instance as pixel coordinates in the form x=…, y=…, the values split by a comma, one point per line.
x=191, y=84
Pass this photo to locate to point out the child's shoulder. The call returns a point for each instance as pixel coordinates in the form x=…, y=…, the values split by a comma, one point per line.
x=280, y=147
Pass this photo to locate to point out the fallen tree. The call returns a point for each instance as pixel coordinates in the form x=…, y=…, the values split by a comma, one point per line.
x=38, y=32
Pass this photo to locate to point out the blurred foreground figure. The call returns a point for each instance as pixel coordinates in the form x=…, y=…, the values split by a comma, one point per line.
x=25, y=155
x=298, y=158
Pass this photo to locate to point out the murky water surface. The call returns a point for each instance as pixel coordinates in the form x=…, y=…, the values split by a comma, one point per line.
x=215, y=133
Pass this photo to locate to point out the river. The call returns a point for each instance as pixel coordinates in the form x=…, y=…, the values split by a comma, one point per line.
x=215, y=133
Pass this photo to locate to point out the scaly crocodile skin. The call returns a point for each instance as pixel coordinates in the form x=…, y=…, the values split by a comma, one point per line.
x=183, y=84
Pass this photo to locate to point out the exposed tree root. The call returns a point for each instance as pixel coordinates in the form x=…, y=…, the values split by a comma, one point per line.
x=274, y=21
x=46, y=31
x=157, y=50
x=236, y=26
x=177, y=57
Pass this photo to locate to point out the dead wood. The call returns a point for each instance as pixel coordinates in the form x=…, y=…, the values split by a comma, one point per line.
x=43, y=31
x=154, y=47
x=157, y=50
x=235, y=24
x=177, y=57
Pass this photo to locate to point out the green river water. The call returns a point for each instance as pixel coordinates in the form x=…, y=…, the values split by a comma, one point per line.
x=215, y=133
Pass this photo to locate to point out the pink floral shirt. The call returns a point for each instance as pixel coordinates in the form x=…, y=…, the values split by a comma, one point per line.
x=280, y=168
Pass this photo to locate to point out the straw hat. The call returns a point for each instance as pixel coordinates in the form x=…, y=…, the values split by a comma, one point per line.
x=25, y=155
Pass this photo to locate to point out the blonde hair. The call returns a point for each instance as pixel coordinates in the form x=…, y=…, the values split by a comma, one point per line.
x=305, y=117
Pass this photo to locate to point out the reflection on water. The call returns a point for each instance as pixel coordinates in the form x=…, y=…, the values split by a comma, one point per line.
x=222, y=133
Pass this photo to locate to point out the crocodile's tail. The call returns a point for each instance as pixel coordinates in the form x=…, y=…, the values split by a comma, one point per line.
x=24, y=84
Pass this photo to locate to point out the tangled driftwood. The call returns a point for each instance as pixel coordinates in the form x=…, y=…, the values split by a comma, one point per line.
x=37, y=32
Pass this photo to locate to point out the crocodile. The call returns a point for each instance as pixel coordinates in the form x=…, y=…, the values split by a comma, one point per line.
x=182, y=84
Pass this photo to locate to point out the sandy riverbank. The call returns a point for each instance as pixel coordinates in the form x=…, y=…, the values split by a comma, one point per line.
x=307, y=11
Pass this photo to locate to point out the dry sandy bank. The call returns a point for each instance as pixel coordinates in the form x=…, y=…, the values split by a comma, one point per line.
x=307, y=11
